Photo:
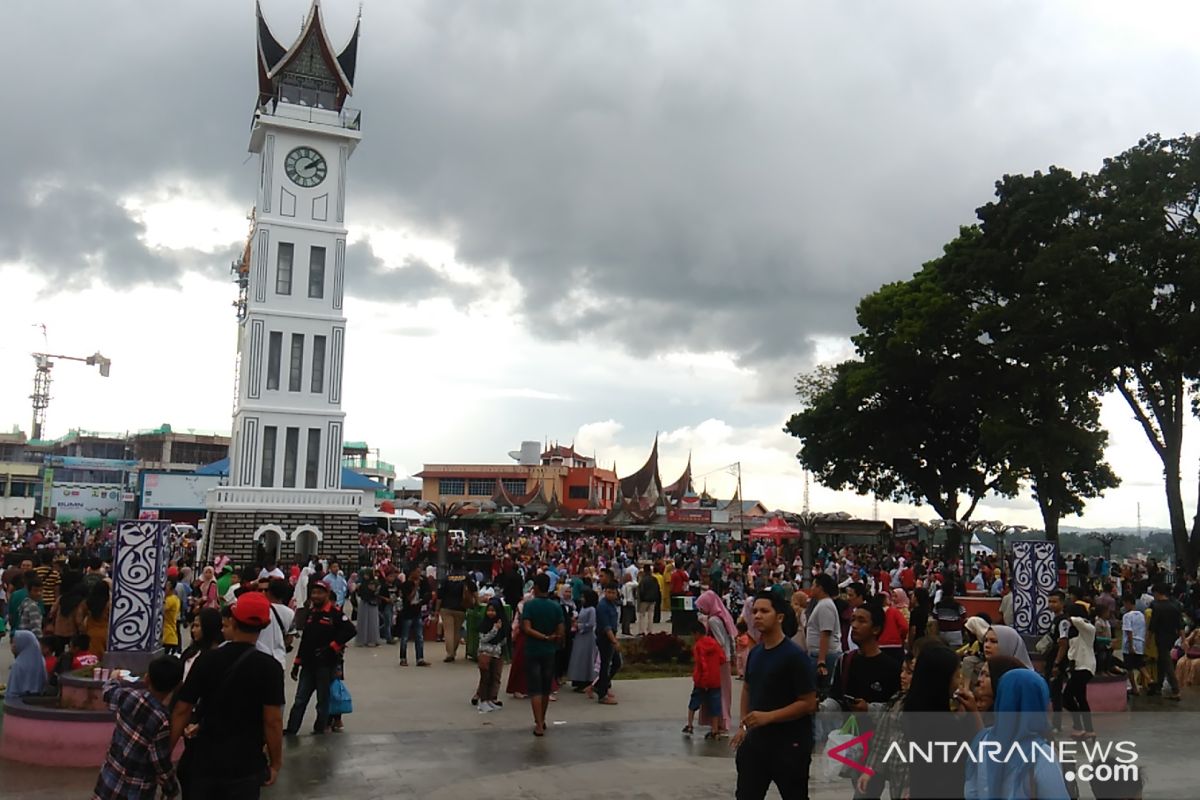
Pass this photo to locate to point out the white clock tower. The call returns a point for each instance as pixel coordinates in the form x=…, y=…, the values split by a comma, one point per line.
x=284, y=495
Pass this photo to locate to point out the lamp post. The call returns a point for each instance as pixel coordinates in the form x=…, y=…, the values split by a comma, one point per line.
x=1106, y=541
x=807, y=520
x=443, y=514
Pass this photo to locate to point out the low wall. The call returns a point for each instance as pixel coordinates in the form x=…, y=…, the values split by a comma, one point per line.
x=50, y=736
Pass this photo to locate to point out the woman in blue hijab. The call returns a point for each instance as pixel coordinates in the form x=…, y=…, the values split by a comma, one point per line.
x=1022, y=771
x=28, y=673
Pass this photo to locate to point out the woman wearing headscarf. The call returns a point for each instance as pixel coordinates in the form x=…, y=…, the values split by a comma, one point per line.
x=27, y=675
x=208, y=594
x=96, y=624
x=938, y=708
x=992, y=671
x=900, y=601
x=581, y=671
x=1002, y=640
x=1022, y=698
x=722, y=628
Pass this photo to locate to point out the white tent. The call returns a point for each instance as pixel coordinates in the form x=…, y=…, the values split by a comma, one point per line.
x=978, y=547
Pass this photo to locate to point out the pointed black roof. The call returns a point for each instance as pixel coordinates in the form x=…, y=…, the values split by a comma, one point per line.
x=348, y=58
x=272, y=51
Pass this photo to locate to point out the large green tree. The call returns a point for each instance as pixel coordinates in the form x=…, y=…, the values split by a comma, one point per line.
x=1143, y=300
x=904, y=421
x=1013, y=272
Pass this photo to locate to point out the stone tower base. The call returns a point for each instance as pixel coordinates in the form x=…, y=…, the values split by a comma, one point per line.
x=244, y=535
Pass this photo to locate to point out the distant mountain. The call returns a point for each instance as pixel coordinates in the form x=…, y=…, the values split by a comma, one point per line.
x=1123, y=531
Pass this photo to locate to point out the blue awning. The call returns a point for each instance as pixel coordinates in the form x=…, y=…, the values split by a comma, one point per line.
x=350, y=478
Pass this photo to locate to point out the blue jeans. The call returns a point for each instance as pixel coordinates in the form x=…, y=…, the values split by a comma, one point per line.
x=312, y=679
x=414, y=628
x=386, y=613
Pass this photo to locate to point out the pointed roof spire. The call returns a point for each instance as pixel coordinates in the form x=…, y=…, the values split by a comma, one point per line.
x=275, y=61
x=645, y=482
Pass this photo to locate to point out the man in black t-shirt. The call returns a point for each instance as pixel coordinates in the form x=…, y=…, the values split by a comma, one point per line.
x=237, y=691
x=455, y=596
x=867, y=676
x=779, y=697
x=1166, y=620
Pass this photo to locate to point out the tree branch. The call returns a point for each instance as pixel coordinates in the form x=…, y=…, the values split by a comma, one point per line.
x=1140, y=413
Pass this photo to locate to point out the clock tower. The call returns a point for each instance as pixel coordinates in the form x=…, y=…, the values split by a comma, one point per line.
x=284, y=496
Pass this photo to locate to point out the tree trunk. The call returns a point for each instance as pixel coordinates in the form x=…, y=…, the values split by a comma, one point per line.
x=1179, y=531
x=1194, y=550
x=1050, y=519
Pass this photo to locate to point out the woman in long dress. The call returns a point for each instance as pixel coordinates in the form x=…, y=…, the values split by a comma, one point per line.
x=368, y=613
x=581, y=671
x=722, y=628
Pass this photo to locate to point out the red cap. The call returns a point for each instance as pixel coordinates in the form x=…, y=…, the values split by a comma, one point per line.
x=172, y=572
x=253, y=609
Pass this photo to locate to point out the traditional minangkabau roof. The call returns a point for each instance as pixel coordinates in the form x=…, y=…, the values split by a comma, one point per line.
x=682, y=487
x=275, y=61
x=645, y=483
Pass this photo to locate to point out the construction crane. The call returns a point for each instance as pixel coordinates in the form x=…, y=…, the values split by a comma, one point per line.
x=41, y=383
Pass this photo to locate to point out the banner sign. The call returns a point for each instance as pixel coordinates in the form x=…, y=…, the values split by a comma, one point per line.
x=695, y=515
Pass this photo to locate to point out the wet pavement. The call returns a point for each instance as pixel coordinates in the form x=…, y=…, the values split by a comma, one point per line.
x=414, y=734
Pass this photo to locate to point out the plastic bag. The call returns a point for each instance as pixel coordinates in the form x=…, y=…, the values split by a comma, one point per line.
x=340, y=701
x=834, y=768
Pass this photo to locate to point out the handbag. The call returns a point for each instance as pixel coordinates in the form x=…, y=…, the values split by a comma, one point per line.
x=340, y=701
x=848, y=731
x=1044, y=644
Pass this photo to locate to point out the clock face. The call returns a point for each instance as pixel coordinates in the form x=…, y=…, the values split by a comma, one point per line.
x=305, y=167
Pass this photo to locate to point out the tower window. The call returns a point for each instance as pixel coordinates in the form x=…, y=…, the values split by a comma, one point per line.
x=283, y=268
x=274, y=354
x=316, y=272
x=290, y=445
x=311, y=458
x=296, y=365
x=268, y=456
x=318, y=367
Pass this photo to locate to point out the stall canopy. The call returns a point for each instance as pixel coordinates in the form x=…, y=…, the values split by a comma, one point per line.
x=775, y=529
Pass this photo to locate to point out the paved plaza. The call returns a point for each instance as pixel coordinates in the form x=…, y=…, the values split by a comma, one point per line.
x=414, y=734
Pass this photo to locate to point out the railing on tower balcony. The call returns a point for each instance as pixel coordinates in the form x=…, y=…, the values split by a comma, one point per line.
x=367, y=463
x=309, y=105
x=253, y=498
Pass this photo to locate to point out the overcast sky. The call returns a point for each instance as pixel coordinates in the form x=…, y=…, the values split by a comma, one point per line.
x=570, y=220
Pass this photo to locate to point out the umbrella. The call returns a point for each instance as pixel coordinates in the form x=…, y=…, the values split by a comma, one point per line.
x=775, y=529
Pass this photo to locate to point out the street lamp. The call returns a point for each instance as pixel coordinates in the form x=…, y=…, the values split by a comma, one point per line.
x=443, y=514
x=1106, y=541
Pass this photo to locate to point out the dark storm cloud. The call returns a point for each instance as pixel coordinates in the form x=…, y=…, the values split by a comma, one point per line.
x=369, y=277
x=699, y=176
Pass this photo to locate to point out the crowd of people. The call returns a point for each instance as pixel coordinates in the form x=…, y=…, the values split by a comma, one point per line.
x=875, y=637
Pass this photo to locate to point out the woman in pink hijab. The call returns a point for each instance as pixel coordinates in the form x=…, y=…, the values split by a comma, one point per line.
x=900, y=601
x=722, y=628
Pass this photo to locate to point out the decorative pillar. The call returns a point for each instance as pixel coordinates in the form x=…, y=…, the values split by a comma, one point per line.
x=1034, y=577
x=139, y=574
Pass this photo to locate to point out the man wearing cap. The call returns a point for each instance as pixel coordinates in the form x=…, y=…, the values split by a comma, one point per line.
x=240, y=693
x=326, y=632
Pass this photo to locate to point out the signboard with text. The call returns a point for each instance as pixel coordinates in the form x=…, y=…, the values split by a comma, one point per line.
x=695, y=515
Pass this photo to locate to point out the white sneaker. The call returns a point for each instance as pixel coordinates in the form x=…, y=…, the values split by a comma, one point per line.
x=486, y=707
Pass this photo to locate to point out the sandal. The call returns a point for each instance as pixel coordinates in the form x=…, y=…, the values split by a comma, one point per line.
x=710, y=735
x=536, y=732
x=688, y=730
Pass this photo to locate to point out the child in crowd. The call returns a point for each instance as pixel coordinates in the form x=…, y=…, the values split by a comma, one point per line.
x=80, y=657
x=139, y=757
x=707, y=658
x=48, y=655
x=743, y=643
x=493, y=632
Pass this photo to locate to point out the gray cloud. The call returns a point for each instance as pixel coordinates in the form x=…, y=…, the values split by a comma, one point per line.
x=702, y=176
x=369, y=277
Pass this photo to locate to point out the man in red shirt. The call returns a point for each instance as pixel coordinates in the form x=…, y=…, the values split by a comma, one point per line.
x=707, y=658
x=679, y=581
